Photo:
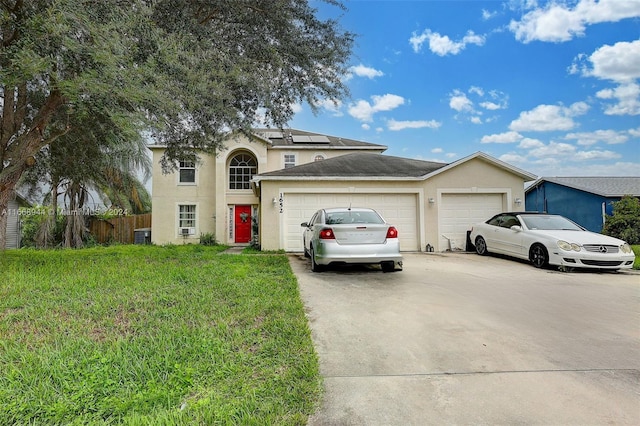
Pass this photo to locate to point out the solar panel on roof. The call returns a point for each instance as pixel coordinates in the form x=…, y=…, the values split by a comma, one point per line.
x=309, y=139
x=273, y=135
x=319, y=139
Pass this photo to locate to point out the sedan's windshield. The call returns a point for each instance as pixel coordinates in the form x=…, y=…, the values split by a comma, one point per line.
x=335, y=218
x=545, y=222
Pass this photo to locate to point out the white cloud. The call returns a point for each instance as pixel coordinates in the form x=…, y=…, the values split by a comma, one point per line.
x=486, y=15
x=513, y=158
x=609, y=137
x=508, y=137
x=459, y=101
x=595, y=155
x=491, y=106
x=365, y=126
x=635, y=132
x=620, y=62
x=437, y=150
x=420, y=124
x=553, y=150
x=548, y=118
x=334, y=107
x=443, y=45
x=364, y=71
x=476, y=90
x=363, y=110
x=558, y=22
x=529, y=143
x=627, y=97
x=296, y=107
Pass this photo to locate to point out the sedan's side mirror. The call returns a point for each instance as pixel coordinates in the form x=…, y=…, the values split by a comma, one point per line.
x=304, y=224
x=516, y=228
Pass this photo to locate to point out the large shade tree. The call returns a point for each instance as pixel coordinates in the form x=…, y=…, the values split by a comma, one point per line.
x=184, y=71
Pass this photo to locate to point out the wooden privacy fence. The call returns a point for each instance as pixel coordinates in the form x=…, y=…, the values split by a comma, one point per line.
x=119, y=229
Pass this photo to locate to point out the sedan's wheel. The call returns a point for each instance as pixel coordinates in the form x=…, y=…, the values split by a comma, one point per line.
x=538, y=256
x=304, y=247
x=314, y=266
x=481, y=246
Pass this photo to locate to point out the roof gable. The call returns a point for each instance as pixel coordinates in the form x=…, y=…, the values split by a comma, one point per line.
x=526, y=176
x=599, y=185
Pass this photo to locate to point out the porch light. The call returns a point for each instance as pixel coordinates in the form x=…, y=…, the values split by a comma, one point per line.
x=432, y=200
x=274, y=201
x=517, y=201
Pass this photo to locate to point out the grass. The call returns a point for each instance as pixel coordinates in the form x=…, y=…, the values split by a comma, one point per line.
x=636, y=251
x=143, y=335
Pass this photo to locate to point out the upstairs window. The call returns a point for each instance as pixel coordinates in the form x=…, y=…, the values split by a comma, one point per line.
x=318, y=157
x=241, y=169
x=289, y=160
x=187, y=172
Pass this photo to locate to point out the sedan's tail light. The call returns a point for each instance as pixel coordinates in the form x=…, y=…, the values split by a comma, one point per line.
x=392, y=232
x=327, y=234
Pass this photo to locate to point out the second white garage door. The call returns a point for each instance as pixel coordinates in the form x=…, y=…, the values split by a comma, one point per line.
x=458, y=212
x=398, y=209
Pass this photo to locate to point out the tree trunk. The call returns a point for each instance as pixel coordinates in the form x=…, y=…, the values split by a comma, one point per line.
x=5, y=197
x=18, y=154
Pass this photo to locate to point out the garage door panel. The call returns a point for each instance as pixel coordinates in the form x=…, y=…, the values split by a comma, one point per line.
x=459, y=212
x=398, y=209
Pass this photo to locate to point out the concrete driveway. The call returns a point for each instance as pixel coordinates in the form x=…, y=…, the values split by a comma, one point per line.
x=463, y=339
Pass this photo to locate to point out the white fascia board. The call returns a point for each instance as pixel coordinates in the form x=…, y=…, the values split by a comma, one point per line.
x=258, y=179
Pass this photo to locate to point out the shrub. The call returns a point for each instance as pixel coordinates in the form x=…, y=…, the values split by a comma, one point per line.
x=625, y=221
x=208, y=239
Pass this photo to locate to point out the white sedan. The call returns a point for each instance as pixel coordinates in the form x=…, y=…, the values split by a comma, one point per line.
x=546, y=239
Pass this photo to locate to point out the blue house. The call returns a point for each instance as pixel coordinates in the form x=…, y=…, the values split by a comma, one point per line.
x=585, y=200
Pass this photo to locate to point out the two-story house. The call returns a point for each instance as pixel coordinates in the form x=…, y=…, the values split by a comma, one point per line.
x=277, y=179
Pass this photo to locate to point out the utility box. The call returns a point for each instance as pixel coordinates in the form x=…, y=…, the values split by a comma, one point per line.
x=142, y=236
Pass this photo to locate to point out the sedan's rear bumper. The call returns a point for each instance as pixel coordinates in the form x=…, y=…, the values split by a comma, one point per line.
x=332, y=252
x=591, y=260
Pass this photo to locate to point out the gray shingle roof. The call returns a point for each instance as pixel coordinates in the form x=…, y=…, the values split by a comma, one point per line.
x=285, y=139
x=360, y=165
x=604, y=186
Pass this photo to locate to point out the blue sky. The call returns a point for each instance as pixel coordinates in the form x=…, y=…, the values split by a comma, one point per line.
x=551, y=88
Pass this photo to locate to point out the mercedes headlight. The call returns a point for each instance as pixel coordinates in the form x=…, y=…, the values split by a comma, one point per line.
x=626, y=248
x=568, y=246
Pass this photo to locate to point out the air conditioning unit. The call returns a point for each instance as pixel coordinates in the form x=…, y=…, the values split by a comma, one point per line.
x=185, y=232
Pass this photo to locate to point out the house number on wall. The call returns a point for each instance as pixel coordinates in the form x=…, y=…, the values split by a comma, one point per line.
x=281, y=203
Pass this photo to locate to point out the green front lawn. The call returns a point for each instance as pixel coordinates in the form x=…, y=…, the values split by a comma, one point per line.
x=636, y=263
x=145, y=335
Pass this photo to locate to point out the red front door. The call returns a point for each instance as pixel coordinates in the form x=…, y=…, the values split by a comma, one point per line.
x=243, y=224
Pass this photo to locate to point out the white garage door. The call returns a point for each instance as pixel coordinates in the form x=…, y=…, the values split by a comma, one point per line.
x=398, y=209
x=458, y=213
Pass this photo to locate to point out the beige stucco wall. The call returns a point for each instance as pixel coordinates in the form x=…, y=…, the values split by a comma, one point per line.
x=473, y=176
x=213, y=200
x=168, y=194
x=270, y=214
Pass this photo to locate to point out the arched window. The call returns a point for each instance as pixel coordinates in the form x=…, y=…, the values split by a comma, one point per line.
x=318, y=157
x=241, y=169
